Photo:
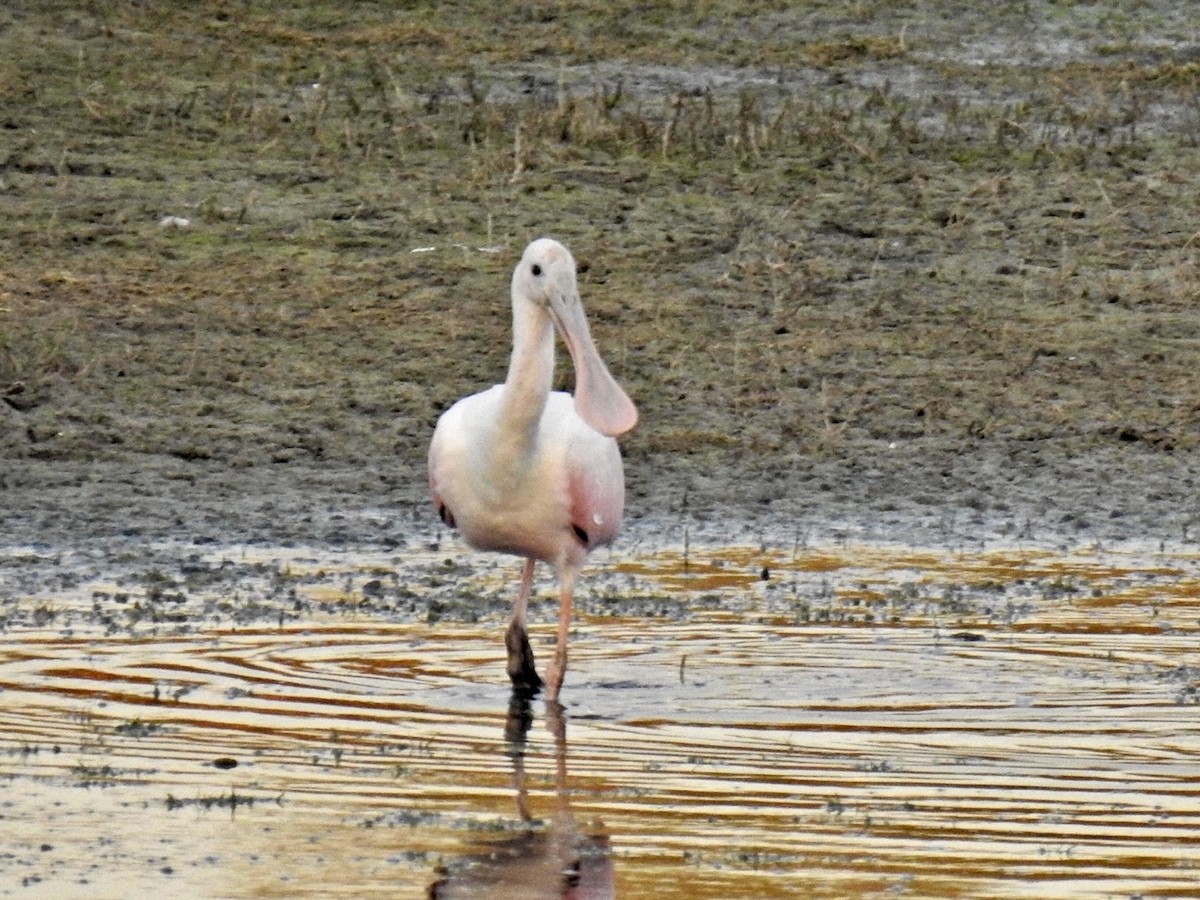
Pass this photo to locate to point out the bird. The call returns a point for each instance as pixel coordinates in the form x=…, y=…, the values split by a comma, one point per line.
x=524, y=470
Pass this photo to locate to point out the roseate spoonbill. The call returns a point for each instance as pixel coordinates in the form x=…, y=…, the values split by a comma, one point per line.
x=520, y=469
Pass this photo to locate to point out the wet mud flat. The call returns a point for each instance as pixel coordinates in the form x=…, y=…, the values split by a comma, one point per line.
x=750, y=720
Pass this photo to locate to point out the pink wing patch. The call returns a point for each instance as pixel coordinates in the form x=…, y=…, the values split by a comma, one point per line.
x=597, y=491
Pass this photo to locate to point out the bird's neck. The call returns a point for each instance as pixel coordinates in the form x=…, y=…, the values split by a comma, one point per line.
x=530, y=370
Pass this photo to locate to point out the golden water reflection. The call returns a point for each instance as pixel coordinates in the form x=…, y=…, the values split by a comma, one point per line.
x=551, y=861
x=856, y=724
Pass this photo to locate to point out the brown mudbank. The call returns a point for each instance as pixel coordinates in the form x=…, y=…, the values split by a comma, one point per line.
x=853, y=280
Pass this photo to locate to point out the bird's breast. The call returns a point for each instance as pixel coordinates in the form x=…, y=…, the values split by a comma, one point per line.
x=531, y=495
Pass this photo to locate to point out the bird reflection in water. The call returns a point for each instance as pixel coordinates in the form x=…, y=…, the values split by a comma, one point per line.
x=556, y=862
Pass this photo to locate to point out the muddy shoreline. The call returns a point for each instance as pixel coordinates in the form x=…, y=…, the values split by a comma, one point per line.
x=983, y=497
x=871, y=274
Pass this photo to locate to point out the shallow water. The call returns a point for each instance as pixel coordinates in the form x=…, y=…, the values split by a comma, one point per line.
x=859, y=722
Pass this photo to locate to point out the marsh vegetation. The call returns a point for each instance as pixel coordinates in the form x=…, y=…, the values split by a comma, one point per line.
x=817, y=241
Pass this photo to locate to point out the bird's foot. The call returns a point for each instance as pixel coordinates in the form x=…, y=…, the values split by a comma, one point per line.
x=521, y=669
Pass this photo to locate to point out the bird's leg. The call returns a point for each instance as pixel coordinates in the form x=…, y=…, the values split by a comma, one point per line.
x=558, y=668
x=520, y=655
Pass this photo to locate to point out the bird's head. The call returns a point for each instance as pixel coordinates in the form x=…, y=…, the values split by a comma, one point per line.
x=545, y=276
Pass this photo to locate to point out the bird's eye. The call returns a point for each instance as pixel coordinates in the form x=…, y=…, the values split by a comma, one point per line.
x=537, y=270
